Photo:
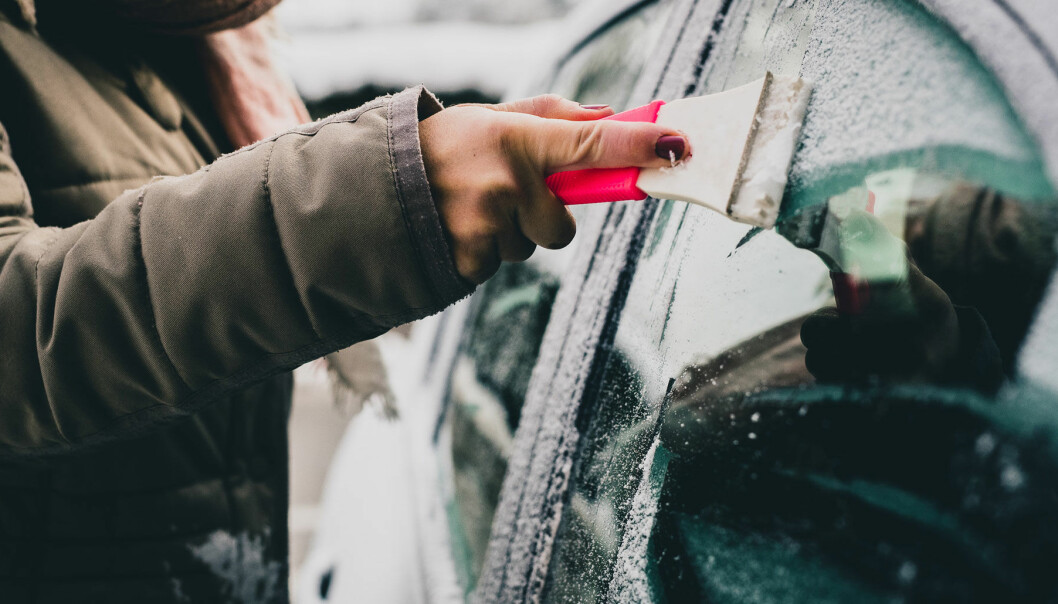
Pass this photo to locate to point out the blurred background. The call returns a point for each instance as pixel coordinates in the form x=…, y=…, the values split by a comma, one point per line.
x=464, y=50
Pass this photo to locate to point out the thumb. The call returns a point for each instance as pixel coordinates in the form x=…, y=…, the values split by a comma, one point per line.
x=559, y=145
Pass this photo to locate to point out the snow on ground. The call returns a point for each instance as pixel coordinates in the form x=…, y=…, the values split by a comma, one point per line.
x=442, y=55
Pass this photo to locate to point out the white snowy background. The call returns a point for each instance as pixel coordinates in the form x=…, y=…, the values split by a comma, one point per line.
x=336, y=47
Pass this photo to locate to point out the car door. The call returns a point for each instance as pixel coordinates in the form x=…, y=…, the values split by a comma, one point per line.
x=680, y=443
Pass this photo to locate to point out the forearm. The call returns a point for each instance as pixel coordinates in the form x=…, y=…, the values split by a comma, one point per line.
x=192, y=286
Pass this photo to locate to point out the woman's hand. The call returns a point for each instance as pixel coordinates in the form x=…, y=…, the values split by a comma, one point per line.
x=487, y=163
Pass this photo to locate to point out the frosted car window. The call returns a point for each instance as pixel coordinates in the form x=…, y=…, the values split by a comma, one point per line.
x=722, y=460
x=605, y=69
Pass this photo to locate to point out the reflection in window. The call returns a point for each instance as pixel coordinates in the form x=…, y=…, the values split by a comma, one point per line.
x=811, y=413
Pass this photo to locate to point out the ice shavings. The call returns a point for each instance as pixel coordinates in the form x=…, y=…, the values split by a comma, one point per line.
x=630, y=579
x=675, y=168
x=778, y=125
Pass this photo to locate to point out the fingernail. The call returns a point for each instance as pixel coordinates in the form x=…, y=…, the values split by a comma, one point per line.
x=669, y=147
x=594, y=107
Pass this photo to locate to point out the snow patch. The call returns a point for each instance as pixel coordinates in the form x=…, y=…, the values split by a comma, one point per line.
x=630, y=582
x=891, y=80
x=239, y=561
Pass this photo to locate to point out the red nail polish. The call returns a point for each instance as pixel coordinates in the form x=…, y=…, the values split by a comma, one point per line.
x=668, y=147
x=594, y=107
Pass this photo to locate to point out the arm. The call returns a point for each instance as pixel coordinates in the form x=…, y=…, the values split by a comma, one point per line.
x=322, y=236
x=193, y=286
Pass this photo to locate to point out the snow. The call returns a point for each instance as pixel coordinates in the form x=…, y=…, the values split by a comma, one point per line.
x=345, y=14
x=239, y=561
x=1040, y=17
x=1029, y=76
x=335, y=46
x=892, y=80
x=763, y=179
x=540, y=467
x=381, y=531
x=630, y=582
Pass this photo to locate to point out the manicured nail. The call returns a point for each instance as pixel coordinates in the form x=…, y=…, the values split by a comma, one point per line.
x=669, y=147
x=594, y=107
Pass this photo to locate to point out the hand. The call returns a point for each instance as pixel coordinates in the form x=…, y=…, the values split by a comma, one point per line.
x=487, y=163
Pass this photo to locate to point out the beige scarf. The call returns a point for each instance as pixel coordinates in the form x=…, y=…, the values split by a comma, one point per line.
x=252, y=98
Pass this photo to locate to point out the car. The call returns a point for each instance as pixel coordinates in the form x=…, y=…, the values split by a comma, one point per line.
x=859, y=405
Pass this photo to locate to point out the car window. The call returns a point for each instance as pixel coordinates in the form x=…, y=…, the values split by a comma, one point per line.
x=722, y=458
x=605, y=68
x=484, y=400
x=491, y=372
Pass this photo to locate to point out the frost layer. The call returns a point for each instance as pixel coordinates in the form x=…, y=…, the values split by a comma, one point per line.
x=763, y=179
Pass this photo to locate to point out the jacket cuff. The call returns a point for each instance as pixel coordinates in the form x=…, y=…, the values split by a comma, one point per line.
x=406, y=110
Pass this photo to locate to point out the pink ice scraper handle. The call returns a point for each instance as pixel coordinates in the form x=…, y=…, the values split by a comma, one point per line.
x=604, y=184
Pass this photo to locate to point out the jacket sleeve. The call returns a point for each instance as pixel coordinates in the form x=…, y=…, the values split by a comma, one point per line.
x=196, y=285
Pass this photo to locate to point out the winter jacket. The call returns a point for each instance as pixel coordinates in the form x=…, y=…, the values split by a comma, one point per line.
x=147, y=324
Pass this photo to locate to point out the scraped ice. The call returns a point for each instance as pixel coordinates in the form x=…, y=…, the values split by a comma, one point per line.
x=763, y=179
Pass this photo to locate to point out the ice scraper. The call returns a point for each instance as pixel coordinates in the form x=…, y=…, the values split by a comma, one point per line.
x=742, y=142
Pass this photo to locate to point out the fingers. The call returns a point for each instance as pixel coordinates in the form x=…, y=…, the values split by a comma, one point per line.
x=558, y=145
x=487, y=166
x=544, y=219
x=477, y=260
x=552, y=106
x=515, y=247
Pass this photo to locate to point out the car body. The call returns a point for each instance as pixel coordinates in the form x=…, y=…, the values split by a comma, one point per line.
x=634, y=419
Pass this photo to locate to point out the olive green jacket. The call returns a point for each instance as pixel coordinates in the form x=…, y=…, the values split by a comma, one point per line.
x=140, y=450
